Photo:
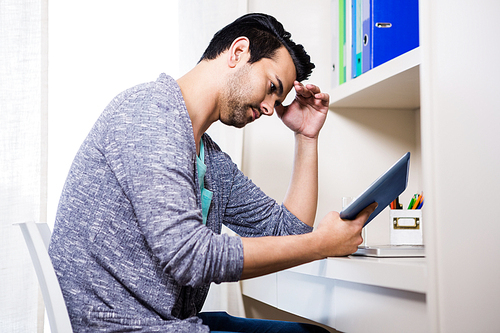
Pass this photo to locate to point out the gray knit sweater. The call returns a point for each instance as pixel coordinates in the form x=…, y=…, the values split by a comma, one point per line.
x=128, y=246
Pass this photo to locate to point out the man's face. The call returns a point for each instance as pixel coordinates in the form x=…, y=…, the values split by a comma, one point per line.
x=255, y=89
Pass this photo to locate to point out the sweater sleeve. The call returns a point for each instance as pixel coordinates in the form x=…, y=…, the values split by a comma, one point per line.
x=148, y=142
x=250, y=212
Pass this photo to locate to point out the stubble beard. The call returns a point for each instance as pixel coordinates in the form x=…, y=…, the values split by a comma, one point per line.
x=236, y=109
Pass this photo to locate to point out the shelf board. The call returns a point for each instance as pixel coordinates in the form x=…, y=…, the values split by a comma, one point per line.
x=396, y=273
x=392, y=85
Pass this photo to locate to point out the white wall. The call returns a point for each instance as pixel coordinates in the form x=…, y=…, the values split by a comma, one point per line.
x=96, y=50
x=460, y=152
x=269, y=145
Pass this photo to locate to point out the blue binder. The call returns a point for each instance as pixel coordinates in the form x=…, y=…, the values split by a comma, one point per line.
x=393, y=30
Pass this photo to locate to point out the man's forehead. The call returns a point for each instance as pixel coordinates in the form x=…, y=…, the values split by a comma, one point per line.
x=285, y=60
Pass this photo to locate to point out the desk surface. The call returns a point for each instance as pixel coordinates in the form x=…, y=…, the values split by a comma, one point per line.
x=396, y=273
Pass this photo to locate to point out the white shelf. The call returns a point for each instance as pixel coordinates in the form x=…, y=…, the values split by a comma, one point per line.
x=392, y=85
x=352, y=294
x=396, y=273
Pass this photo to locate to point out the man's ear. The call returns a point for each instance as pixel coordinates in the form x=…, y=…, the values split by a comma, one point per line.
x=238, y=52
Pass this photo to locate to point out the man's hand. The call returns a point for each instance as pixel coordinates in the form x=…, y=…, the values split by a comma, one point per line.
x=307, y=113
x=339, y=237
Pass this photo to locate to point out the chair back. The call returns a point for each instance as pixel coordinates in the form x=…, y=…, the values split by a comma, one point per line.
x=37, y=237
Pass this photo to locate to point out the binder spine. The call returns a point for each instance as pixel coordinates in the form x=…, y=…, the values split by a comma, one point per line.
x=367, y=36
x=342, y=41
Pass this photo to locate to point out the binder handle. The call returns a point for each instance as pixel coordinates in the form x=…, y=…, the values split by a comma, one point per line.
x=383, y=24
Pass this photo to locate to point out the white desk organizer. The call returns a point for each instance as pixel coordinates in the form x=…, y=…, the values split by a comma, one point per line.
x=406, y=227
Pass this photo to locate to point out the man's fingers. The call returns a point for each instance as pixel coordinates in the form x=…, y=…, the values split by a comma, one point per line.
x=324, y=97
x=313, y=88
x=309, y=90
x=365, y=213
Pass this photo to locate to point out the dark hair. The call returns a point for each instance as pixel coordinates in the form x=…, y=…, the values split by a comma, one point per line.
x=266, y=35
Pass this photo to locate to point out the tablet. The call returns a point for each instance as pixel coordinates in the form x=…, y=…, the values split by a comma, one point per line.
x=384, y=190
x=391, y=251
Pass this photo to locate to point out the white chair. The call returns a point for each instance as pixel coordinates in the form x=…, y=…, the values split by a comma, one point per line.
x=37, y=237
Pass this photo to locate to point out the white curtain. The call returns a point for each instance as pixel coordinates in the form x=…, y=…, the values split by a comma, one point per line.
x=198, y=22
x=23, y=152
x=97, y=49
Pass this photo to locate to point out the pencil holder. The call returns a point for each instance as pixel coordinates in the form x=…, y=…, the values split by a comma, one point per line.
x=406, y=227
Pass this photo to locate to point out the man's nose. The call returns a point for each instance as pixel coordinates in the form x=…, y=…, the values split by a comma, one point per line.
x=267, y=108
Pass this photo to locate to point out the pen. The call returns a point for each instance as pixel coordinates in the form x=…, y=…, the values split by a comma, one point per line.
x=412, y=201
x=421, y=203
x=417, y=202
x=395, y=204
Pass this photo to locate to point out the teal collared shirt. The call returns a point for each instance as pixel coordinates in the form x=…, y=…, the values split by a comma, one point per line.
x=206, y=195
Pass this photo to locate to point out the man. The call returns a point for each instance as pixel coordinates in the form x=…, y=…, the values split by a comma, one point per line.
x=137, y=239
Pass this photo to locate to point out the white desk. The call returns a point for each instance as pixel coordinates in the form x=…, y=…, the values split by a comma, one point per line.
x=351, y=294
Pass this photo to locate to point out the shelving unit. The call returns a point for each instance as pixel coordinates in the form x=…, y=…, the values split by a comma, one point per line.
x=443, y=100
x=392, y=85
x=379, y=94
